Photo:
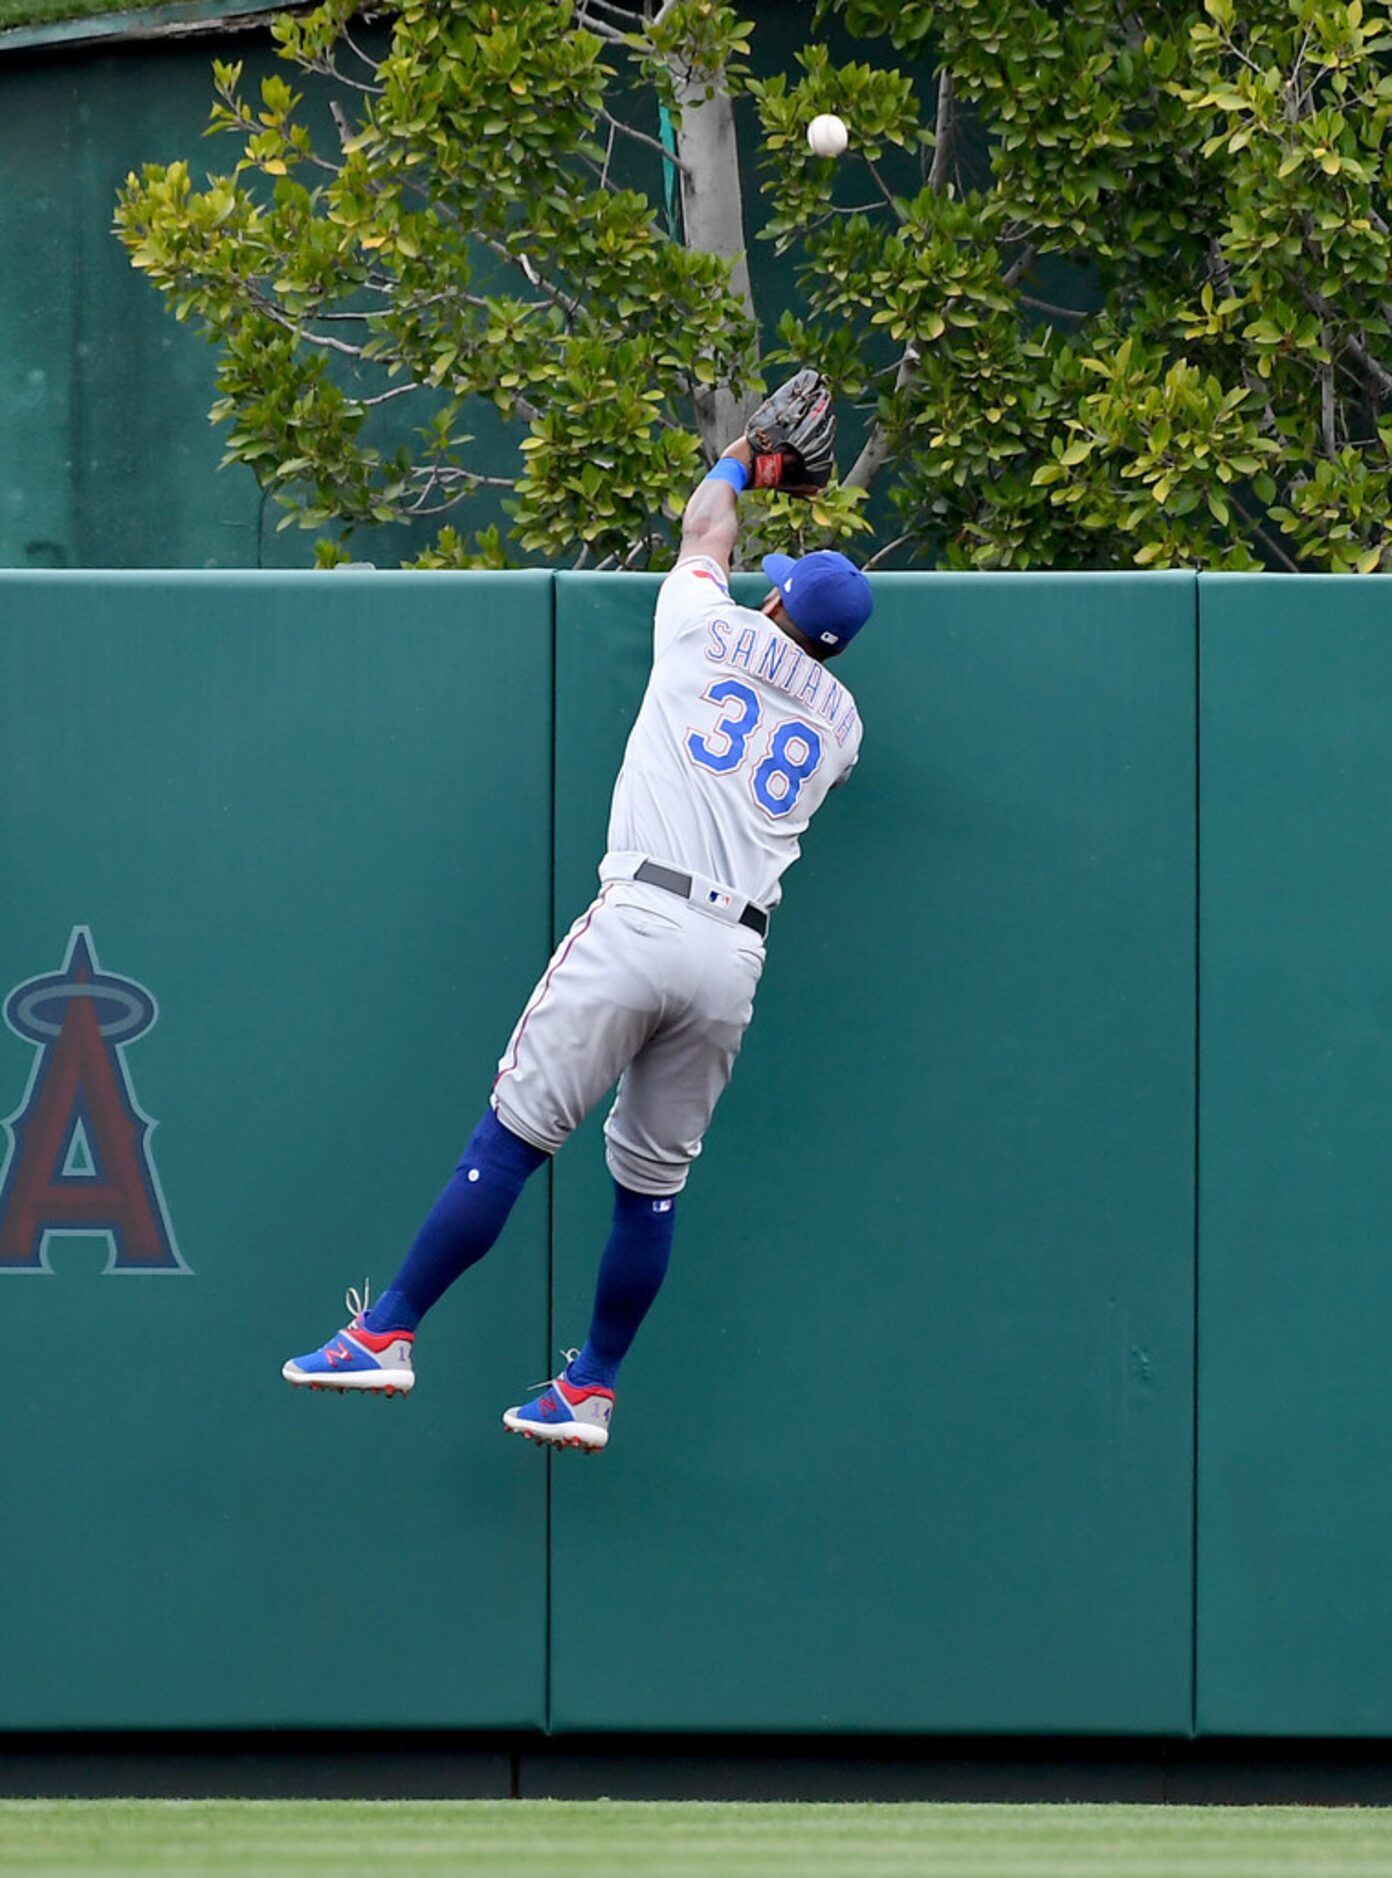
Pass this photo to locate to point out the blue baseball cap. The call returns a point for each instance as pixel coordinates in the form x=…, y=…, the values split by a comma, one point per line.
x=824, y=595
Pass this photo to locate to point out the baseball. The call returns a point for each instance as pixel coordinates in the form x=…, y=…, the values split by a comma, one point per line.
x=827, y=135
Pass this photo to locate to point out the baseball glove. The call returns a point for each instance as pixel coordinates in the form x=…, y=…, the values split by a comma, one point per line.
x=793, y=435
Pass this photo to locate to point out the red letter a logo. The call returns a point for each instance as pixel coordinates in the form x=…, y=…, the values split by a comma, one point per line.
x=79, y=1158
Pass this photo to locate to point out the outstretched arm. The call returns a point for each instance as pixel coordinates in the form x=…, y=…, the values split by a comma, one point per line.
x=710, y=523
x=788, y=444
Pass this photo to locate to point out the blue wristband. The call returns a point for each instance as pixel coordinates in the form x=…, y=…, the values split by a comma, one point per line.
x=730, y=470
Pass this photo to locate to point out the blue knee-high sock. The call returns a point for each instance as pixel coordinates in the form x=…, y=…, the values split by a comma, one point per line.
x=463, y=1224
x=630, y=1277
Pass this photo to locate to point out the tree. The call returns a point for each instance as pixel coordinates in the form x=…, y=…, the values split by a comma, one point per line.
x=1216, y=186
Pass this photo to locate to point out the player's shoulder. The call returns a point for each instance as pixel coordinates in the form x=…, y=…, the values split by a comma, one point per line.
x=695, y=589
x=697, y=581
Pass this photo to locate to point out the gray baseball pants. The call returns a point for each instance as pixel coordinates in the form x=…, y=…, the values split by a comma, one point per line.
x=646, y=989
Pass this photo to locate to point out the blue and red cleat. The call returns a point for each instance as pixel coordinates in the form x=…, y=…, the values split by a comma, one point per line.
x=357, y=1358
x=565, y=1414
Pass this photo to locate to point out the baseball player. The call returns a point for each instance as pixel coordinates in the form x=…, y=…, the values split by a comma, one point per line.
x=741, y=733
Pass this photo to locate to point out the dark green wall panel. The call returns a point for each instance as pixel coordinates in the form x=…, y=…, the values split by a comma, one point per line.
x=907, y=1442
x=1295, y=1276
x=106, y=454
x=311, y=815
x=107, y=458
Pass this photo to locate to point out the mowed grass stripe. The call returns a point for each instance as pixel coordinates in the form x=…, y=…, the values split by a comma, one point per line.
x=518, y=1839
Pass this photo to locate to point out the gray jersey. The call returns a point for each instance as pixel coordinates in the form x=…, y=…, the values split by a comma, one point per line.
x=738, y=740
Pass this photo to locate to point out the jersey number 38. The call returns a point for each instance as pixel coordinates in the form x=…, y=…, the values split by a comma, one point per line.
x=792, y=752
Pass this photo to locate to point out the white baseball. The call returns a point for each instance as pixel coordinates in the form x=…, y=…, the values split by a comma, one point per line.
x=827, y=135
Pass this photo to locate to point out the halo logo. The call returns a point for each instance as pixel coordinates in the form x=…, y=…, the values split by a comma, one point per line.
x=79, y=1155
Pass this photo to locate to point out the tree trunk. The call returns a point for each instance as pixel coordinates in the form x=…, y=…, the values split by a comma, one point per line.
x=713, y=219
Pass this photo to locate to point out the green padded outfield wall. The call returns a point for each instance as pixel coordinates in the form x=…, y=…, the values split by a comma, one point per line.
x=305, y=825
x=308, y=817
x=1295, y=1261
x=907, y=1443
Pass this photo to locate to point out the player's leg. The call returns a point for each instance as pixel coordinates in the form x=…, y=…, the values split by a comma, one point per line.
x=463, y=1225
x=664, y=1105
x=635, y=1261
x=574, y=1408
x=375, y=1351
x=654, y=1133
x=568, y=1047
x=561, y=1057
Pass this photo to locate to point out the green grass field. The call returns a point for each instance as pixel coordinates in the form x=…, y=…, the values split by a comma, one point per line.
x=605, y=1839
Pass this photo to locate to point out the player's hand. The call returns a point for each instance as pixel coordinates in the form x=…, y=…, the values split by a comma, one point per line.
x=792, y=436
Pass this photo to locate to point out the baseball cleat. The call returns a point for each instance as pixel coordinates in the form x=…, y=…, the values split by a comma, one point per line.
x=564, y=1415
x=357, y=1358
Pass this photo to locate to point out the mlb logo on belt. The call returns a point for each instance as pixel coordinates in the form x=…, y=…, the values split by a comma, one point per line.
x=719, y=899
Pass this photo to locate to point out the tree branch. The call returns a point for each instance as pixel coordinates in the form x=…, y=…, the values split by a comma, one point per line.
x=353, y=46
x=385, y=397
x=281, y=318
x=1060, y=312
x=464, y=481
x=608, y=158
x=327, y=67
x=1020, y=266
x=341, y=124
x=875, y=455
x=1375, y=370
x=601, y=28
x=883, y=188
x=435, y=508
x=445, y=476
x=1272, y=546
x=1218, y=270
x=641, y=136
x=520, y=258
x=944, y=124
x=880, y=553
x=644, y=544
x=611, y=7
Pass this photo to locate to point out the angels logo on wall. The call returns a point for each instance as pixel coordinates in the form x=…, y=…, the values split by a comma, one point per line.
x=78, y=1159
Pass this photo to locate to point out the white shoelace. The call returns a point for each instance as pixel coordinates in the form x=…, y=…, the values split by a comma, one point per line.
x=570, y=1356
x=358, y=1306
